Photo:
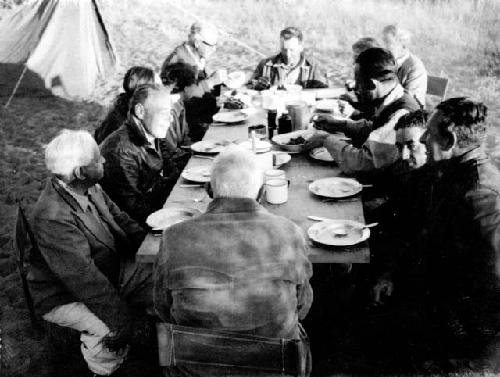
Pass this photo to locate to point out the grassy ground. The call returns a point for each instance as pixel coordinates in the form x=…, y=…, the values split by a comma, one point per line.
x=459, y=39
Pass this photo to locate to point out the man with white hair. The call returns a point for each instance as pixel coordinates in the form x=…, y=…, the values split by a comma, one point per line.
x=196, y=51
x=249, y=267
x=82, y=272
x=138, y=174
x=411, y=70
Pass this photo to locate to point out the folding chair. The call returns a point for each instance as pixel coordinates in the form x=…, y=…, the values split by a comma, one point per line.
x=64, y=354
x=24, y=242
x=436, y=90
x=184, y=346
x=437, y=86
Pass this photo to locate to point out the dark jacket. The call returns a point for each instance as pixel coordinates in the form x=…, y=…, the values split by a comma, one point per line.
x=77, y=259
x=115, y=118
x=137, y=176
x=451, y=242
x=310, y=75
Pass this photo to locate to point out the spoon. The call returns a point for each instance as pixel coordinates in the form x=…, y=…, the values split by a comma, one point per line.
x=318, y=218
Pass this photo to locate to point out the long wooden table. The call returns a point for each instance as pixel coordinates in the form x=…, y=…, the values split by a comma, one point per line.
x=301, y=170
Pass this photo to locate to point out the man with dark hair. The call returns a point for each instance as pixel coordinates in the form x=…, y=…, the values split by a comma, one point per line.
x=363, y=44
x=134, y=77
x=373, y=140
x=194, y=108
x=290, y=66
x=137, y=176
x=453, y=212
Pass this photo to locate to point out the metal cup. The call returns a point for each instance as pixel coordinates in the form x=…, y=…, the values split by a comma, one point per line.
x=299, y=113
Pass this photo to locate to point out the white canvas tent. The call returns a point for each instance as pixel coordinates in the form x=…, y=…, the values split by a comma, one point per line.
x=64, y=42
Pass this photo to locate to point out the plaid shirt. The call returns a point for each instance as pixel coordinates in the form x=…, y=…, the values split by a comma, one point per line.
x=309, y=74
x=234, y=268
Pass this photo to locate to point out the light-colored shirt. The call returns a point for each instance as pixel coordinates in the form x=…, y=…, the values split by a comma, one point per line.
x=378, y=150
x=413, y=76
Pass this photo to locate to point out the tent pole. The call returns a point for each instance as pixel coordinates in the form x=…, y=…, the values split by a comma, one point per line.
x=16, y=87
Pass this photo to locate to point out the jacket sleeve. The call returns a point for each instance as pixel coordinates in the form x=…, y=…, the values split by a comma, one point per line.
x=257, y=73
x=162, y=298
x=134, y=231
x=170, y=59
x=305, y=271
x=66, y=250
x=358, y=130
x=317, y=79
x=486, y=211
x=372, y=155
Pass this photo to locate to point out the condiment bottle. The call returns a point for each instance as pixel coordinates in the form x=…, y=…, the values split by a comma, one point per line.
x=271, y=122
x=284, y=124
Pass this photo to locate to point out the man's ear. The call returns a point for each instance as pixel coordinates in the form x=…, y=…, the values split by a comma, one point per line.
x=139, y=111
x=451, y=141
x=79, y=173
x=208, y=189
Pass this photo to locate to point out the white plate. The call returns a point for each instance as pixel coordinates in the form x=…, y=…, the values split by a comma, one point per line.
x=281, y=158
x=261, y=146
x=321, y=154
x=167, y=217
x=338, y=232
x=335, y=187
x=283, y=139
x=235, y=80
x=200, y=174
x=208, y=146
x=230, y=117
x=328, y=105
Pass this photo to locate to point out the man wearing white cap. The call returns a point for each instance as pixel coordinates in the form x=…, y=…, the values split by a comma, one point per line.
x=200, y=46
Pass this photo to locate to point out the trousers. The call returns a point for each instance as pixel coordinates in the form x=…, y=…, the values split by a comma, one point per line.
x=136, y=287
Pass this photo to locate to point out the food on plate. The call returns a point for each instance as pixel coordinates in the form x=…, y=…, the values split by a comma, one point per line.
x=233, y=103
x=346, y=232
x=296, y=141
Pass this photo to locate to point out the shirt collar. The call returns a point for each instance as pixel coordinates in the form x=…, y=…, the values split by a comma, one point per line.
x=82, y=200
x=232, y=205
x=279, y=62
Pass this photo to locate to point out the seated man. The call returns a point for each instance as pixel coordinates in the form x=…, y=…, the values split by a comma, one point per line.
x=138, y=176
x=134, y=77
x=249, y=267
x=194, y=109
x=83, y=275
x=411, y=70
x=373, y=140
x=454, y=214
x=362, y=110
x=199, y=48
x=290, y=66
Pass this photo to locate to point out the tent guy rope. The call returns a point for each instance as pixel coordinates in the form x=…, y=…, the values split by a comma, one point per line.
x=16, y=87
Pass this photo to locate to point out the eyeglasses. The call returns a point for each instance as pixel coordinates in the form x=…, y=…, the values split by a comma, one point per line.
x=208, y=44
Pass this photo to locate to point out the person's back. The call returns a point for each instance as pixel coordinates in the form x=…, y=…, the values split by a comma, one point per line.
x=241, y=272
x=236, y=268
